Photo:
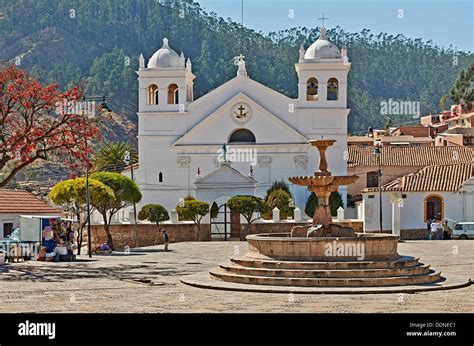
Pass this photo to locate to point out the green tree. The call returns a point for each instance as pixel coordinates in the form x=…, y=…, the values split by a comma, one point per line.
x=280, y=199
x=110, y=157
x=214, y=210
x=250, y=207
x=462, y=91
x=335, y=201
x=193, y=210
x=71, y=195
x=278, y=185
x=125, y=192
x=154, y=213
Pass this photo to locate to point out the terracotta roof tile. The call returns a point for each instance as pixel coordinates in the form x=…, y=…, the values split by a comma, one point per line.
x=432, y=178
x=15, y=201
x=410, y=156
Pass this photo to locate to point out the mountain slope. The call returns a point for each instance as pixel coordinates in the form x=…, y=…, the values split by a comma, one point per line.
x=66, y=40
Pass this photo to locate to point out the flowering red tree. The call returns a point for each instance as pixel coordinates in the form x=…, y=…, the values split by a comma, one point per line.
x=35, y=126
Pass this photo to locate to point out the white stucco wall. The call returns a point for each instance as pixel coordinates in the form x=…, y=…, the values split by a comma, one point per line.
x=282, y=127
x=412, y=213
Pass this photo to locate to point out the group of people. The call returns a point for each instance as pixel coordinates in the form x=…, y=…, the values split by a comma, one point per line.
x=439, y=231
x=57, y=242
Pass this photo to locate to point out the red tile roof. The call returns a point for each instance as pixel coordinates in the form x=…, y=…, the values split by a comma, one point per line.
x=18, y=202
x=432, y=178
x=410, y=156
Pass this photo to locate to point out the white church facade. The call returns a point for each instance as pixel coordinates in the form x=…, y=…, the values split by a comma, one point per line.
x=264, y=133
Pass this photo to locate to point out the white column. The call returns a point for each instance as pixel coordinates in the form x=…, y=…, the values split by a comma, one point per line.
x=340, y=214
x=174, y=216
x=396, y=218
x=276, y=214
x=297, y=214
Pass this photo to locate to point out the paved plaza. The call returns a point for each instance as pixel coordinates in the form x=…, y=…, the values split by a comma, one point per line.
x=148, y=280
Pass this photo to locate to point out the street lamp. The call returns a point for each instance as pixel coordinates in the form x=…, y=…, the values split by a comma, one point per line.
x=103, y=107
x=128, y=161
x=378, y=154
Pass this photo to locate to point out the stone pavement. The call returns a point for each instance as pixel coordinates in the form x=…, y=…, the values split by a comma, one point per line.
x=148, y=280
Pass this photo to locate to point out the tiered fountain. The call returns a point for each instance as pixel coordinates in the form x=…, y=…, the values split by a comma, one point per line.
x=321, y=257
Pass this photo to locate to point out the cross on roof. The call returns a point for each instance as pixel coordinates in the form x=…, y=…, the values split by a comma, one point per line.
x=241, y=57
x=323, y=18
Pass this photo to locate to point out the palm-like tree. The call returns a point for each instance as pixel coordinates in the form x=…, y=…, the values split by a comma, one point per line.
x=110, y=157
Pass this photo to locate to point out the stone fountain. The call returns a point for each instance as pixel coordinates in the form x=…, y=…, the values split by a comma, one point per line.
x=323, y=183
x=322, y=257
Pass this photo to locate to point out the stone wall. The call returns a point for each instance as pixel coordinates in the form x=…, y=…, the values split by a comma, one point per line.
x=414, y=234
x=124, y=235
x=411, y=234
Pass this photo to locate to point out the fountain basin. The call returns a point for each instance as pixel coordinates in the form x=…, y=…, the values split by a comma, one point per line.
x=323, y=180
x=362, y=247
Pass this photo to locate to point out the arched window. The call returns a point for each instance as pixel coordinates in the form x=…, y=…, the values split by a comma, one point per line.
x=312, y=89
x=242, y=136
x=434, y=208
x=160, y=177
x=152, y=95
x=333, y=89
x=173, y=98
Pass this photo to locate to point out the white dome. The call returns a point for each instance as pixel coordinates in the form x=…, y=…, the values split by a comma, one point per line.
x=164, y=57
x=322, y=48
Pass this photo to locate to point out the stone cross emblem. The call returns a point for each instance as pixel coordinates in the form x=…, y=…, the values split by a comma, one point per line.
x=241, y=113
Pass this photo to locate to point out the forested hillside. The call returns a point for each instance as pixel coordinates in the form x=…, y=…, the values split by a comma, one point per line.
x=100, y=41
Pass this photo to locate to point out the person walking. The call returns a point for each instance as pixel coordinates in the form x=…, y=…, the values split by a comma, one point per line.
x=446, y=230
x=433, y=229
x=166, y=239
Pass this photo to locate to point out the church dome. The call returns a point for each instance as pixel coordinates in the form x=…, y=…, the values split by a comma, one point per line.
x=322, y=48
x=164, y=57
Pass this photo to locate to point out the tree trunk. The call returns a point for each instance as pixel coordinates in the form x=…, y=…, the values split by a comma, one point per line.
x=80, y=230
x=107, y=229
x=198, y=231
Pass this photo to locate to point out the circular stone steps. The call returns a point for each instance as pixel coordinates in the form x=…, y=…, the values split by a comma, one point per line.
x=403, y=261
x=420, y=269
x=353, y=281
x=405, y=270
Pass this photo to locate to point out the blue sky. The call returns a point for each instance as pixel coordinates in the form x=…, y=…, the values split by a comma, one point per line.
x=444, y=22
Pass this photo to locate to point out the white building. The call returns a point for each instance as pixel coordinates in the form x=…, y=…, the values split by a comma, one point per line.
x=14, y=203
x=180, y=139
x=440, y=192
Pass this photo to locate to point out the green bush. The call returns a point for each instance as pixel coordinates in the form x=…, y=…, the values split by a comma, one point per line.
x=247, y=206
x=154, y=213
x=280, y=199
x=278, y=185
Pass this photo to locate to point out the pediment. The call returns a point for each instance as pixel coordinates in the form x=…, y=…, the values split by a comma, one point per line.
x=224, y=175
x=217, y=126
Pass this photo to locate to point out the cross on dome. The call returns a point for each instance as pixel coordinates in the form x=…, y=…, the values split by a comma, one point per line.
x=323, y=19
x=322, y=29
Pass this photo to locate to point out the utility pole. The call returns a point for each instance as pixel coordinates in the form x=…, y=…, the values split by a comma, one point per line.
x=378, y=153
x=103, y=107
x=128, y=161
